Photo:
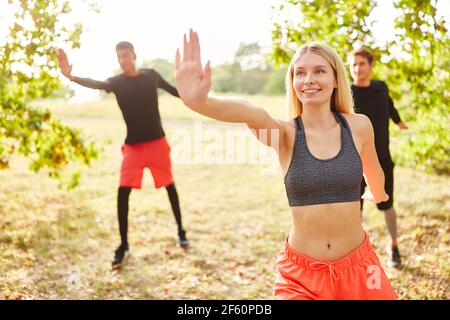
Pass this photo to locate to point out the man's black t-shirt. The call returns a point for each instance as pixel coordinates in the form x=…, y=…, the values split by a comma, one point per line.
x=374, y=102
x=138, y=100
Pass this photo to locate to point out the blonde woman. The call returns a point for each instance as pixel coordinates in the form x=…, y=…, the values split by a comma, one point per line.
x=323, y=151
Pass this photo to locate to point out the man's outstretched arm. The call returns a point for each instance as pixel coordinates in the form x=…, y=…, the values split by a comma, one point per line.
x=93, y=84
x=66, y=70
x=163, y=84
x=394, y=115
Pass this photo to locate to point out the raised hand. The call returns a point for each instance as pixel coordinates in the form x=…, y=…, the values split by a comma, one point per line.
x=64, y=66
x=192, y=81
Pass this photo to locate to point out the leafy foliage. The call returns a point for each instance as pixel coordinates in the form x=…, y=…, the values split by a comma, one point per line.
x=28, y=72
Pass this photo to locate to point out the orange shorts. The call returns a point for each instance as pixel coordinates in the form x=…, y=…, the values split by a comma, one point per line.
x=356, y=276
x=155, y=155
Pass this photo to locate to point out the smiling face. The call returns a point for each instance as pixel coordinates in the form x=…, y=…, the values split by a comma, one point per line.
x=313, y=80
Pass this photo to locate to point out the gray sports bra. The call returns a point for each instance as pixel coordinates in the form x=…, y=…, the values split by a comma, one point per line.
x=310, y=180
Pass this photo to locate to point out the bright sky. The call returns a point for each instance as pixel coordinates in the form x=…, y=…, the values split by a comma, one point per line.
x=156, y=29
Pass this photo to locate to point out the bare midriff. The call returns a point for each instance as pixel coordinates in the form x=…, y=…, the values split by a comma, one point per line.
x=326, y=232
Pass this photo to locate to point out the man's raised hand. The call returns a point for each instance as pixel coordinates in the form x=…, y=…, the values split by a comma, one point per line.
x=64, y=66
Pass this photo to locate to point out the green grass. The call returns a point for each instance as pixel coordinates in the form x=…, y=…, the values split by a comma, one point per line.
x=236, y=219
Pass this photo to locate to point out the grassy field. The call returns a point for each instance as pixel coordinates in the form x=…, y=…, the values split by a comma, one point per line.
x=58, y=244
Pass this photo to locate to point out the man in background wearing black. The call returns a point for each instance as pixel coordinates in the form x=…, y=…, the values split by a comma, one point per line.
x=372, y=99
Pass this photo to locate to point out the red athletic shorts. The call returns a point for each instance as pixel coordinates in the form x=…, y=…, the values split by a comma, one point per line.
x=356, y=276
x=154, y=155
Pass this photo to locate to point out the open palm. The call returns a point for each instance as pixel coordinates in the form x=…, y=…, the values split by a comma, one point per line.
x=192, y=81
x=63, y=61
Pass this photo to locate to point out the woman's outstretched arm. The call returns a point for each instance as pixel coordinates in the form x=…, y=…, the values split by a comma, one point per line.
x=373, y=172
x=193, y=83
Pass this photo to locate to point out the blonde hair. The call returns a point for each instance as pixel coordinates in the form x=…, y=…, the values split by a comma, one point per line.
x=341, y=99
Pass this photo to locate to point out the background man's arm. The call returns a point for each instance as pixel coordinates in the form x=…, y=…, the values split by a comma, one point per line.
x=394, y=115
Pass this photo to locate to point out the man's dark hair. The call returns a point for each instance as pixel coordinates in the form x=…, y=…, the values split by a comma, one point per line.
x=364, y=52
x=124, y=45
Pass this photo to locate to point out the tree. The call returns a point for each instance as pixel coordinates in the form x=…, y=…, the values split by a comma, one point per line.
x=249, y=56
x=340, y=23
x=225, y=78
x=422, y=77
x=28, y=71
x=418, y=78
x=275, y=82
x=248, y=73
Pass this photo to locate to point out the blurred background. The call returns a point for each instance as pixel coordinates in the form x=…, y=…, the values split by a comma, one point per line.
x=60, y=144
